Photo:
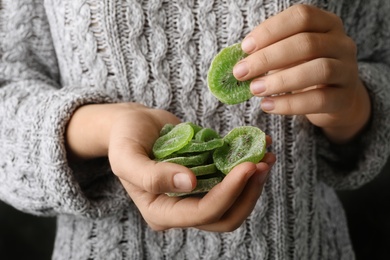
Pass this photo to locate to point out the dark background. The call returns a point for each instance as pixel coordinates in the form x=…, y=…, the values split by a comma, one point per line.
x=24, y=236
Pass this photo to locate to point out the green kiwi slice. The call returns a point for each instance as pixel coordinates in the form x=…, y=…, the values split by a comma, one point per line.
x=242, y=144
x=206, y=134
x=202, y=170
x=221, y=81
x=206, y=153
x=192, y=160
x=173, y=141
x=195, y=146
x=166, y=129
x=196, y=127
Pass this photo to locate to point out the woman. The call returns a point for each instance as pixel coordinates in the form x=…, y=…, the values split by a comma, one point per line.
x=87, y=85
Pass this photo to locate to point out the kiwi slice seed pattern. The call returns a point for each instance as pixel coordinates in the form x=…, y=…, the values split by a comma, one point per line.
x=221, y=81
x=242, y=144
x=209, y=156
x=173, y=141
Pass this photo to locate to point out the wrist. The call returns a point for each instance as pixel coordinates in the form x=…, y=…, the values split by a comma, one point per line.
x=87, y=132
x=90, y=129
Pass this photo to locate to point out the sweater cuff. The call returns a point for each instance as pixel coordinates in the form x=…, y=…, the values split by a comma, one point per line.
x=88, y=188
x=39, y=180
x=354, y=164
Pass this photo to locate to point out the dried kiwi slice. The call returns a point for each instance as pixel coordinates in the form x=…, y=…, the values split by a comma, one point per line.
x=202, y=170
x=195, y=146
x=221, y=81
x=207, y=154
x=242, y=144
x=173, y=141
x=196, y=127
x=166, y=129
x=206, y=134
x=191, y=160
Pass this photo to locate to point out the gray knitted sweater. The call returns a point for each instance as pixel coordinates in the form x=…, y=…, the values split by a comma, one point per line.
x=57, y=55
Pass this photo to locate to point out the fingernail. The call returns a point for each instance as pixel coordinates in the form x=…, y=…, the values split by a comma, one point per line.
x=267, y=104
x=240, y=70
x=182, y=182
x=248, y=44
x=257, y=87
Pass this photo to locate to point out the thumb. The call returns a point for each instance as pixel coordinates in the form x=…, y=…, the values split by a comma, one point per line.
x=154, y=177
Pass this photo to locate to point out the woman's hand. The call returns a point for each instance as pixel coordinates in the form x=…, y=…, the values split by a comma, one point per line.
x=311, y=69
x=126, y=133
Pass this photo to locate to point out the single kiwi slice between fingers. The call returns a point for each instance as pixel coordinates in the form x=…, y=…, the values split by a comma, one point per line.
x=220, y=79
x=203, y=170
x=242, y=144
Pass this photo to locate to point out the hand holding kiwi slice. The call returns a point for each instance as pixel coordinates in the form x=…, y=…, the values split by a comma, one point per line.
x=220, y=79
x=206, y=153
x=242, y=144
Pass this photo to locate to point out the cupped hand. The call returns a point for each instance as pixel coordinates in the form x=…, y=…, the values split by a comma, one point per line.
x=224, y=208
x=302, y=62
x=126, y=133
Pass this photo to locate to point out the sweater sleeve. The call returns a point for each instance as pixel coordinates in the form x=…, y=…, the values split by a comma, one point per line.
x=35, y=175
x=354, y=164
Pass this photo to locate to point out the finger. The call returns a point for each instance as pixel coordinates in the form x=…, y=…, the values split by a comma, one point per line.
x=293, y=50
x=268, y=140
x=269, y=158
x=194, y=211
x=294, y=20
x=244, y=204
x=313, y=101
x=133, y=165
x=322, y=71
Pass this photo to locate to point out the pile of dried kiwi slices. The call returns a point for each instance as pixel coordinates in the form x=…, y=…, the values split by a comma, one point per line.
x=204, y=151
x=208, y=155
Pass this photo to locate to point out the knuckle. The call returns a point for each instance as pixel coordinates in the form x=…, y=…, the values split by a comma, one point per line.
x=351, y=46
x=320, y=100
x=289, y=105
x=326, y=70
x=309, y=43
x=263, y=59
x=302, y=14
x=152, y=183
x=279, y=82
x=267, y=32
x=338, y=22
